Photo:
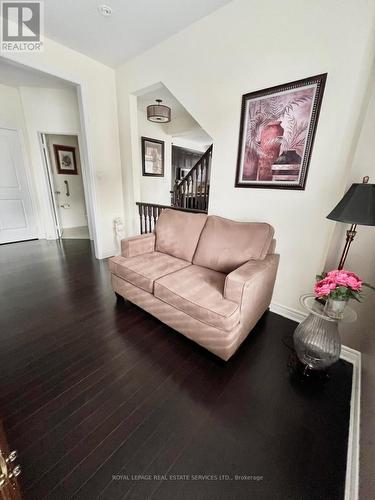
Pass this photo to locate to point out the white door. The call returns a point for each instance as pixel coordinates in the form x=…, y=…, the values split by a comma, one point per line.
x=17, y=219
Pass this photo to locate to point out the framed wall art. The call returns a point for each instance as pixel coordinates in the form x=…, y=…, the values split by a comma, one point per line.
x=277, y=133
x=65, y=157
x=152, y=157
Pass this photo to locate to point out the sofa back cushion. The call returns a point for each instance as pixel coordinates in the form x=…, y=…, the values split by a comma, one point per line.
x=177, y=233
x=225, y=245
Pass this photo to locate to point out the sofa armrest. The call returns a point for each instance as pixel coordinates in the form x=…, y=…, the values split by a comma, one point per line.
x=257, y=276
x=272, y=247
x=138, y=245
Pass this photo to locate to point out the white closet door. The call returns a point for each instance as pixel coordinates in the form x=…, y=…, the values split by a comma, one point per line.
x=17, y=218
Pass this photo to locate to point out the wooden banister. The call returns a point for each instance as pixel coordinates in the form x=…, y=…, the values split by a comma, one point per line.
x=150, y=212
x=193, y=190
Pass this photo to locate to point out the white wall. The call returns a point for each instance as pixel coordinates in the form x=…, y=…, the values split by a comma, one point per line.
x=154, y=189
x=72, y=208
x=182, y=142
x=52, y=111
x=182, y=131
x=361, y=259
x=249, y=45
x=11, y=114
x=98, y=91
x=186, y=132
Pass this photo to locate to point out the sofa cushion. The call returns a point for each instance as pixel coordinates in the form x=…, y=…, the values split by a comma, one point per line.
x=177, y=233
x=198, y=292
x=143, y=270
x=225, y=245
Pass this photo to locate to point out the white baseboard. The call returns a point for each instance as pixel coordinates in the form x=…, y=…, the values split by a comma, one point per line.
x=352, y=464
x=354, y=357
x=106, y=254
x=287, y=312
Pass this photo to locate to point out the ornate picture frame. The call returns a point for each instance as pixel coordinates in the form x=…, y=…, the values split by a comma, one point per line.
x=277, y=132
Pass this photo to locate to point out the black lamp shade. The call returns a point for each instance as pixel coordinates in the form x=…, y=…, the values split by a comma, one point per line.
x=357, y=206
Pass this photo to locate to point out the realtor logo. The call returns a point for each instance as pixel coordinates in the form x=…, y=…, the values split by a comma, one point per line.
x=21, y=26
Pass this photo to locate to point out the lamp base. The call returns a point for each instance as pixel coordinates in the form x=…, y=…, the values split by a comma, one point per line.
x=350, y=235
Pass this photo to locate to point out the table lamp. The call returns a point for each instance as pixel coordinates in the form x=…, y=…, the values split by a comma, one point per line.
x=357, y=207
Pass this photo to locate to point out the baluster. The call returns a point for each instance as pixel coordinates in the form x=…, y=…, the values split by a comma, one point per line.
x=205, y=183
x=155, y=215
x=200, y=186
x=140, y=211
x=193, y=188
x=149, y=218
x=177, y=199
x=145, y=211
x=183, y=201
x=197, y=189
x=189, y=191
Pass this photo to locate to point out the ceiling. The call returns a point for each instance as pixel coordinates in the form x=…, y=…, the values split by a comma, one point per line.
x=167, y=97
x=182, y=123
x=134, y=27
x=16, y=75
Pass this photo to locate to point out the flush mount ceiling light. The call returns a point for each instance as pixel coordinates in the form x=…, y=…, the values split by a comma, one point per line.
x=105, y=10
x=158, y=112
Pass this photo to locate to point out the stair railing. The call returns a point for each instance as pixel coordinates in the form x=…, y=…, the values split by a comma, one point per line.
x=193, y=190
x=150, y=212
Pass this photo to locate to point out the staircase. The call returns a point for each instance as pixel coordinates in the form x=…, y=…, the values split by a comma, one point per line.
x=192, y=192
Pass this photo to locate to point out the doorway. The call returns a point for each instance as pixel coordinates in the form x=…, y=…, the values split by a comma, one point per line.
x=63, y=164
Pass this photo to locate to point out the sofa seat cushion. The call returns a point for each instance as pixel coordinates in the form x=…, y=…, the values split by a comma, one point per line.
x=198, y=292
x=143, y=270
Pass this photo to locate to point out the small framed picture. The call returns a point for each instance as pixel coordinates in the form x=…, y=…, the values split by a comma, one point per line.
x=65, y=159
x=152, y=157
x=277, y=133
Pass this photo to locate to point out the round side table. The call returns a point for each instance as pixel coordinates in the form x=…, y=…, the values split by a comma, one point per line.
x=316, y=339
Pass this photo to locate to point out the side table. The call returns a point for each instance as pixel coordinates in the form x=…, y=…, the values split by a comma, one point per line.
x=316, y=339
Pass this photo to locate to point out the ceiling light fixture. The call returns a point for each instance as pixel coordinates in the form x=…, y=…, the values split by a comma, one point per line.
x=105, y=10
x=158, y=112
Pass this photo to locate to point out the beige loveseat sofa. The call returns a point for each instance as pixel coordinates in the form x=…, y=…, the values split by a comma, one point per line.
x=209, y=278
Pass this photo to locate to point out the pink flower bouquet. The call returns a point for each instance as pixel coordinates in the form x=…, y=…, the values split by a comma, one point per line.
x=339, y=285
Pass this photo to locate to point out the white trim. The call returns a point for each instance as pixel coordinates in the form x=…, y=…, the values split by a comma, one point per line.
x=83, y=172
x=48, y=178
x=354, y=357
x=107, y=254
x=287, y=312
x=352, y=464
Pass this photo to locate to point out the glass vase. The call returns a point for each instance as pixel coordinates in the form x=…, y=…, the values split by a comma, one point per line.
x=317, y=342
x=335, y=308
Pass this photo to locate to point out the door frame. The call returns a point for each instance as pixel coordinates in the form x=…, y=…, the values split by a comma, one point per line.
x=51, y=192
x=46, y=159
x=85, y=142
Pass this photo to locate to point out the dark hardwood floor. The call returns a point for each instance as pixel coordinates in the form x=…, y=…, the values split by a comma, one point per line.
x=102, y=400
